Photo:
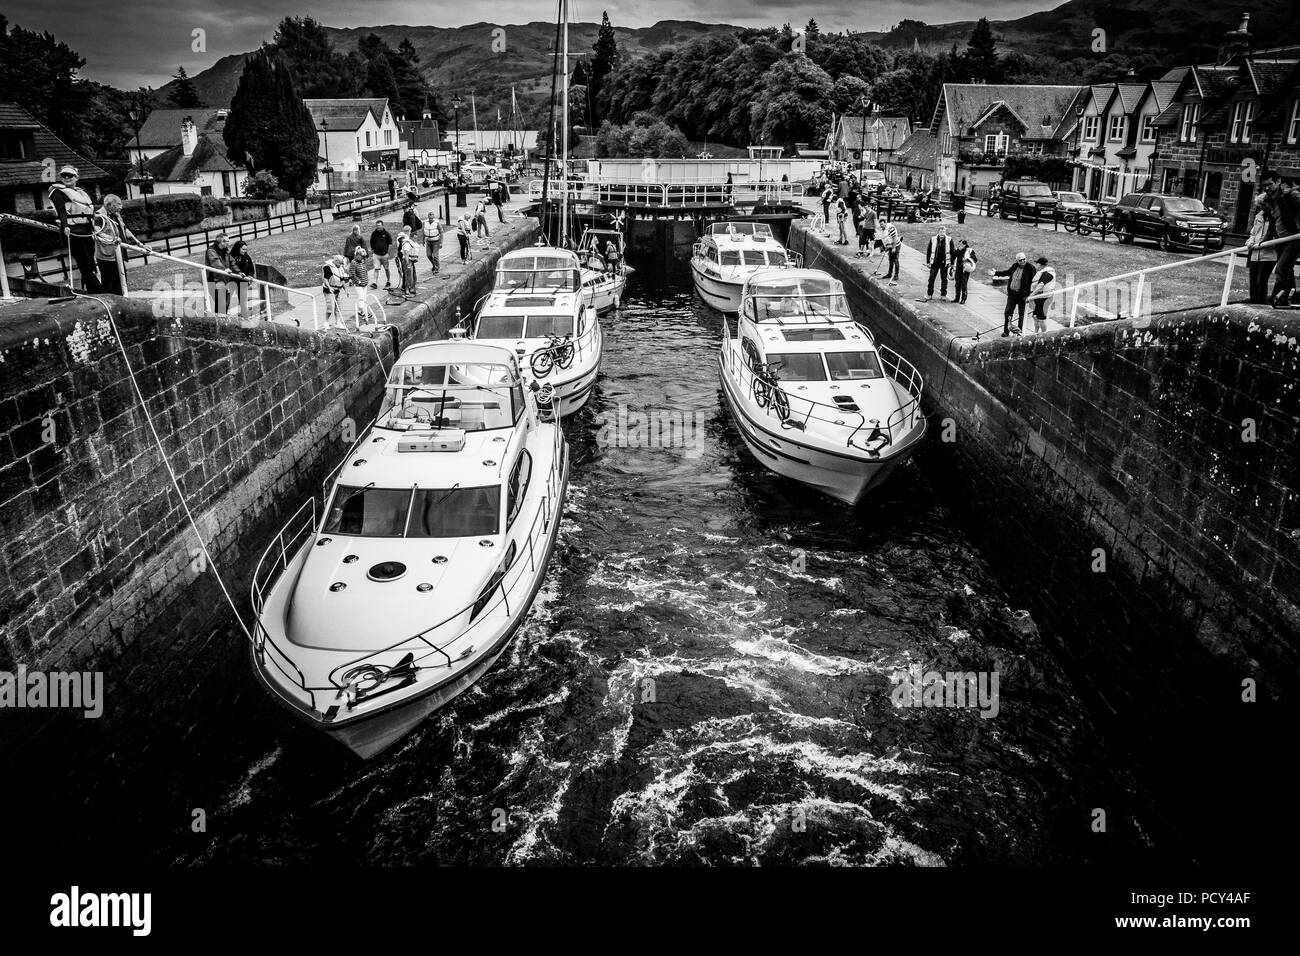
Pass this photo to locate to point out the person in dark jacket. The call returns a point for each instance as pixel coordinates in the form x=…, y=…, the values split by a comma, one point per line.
x=352, y=243
x=412, y=218
x=381, y=240
x=938, y=254
x=1283, y=205
x=76, y=212
x=964, y=261
x=1020, y=279
x=243, y=263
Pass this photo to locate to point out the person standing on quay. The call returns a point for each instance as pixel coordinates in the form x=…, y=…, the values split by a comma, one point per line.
x=893, y=244
x=828, y=194
x=1260, y=262
x=352, y=243
x=432, y=241
x=866, y=231
x=842, y=220
x=963, y=264
x=462, y=237
x=938, y=254
x=411, y=219
x=381, y=240
x=1044, y=285
x=1020, y=278
x=110, y=232
x=223, y=274
x=76, y=211
x=407, y=254
x=1283, y=204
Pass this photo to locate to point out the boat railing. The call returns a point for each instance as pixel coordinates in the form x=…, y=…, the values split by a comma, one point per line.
x=791, y=410
x=281, y=552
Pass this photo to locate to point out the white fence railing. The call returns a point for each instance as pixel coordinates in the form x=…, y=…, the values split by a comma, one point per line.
x=1140, y=275
x=667, y=195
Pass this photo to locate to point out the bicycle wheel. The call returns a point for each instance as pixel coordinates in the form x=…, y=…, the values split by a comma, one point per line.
x=762, y=393
x=1071, y=223
x=564, y=356
x=542, y=363
x=780, y=404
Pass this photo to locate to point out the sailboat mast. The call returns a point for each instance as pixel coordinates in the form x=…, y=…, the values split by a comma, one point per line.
x=564, y=124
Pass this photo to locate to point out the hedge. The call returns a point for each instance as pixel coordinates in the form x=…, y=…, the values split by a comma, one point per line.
x=213, y=206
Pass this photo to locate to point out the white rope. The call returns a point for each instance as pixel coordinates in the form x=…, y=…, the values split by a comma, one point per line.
x=158, y=441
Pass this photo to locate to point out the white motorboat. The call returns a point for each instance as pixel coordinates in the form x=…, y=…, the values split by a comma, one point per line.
x=537, y=309
x=602, y=282
x=812, y=394
x=436, y=533
x=728, y=254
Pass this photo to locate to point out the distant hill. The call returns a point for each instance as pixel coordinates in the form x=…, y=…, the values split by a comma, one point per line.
x=460, y=59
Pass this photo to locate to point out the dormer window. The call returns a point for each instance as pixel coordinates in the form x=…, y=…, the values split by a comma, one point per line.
x=1047, y=122
x=1091, y=129
x=1118, y=127
x=1242, y=115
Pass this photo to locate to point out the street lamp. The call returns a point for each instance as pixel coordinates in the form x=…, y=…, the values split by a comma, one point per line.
x=862, y=143
x=328, y=170
x=143, y=180
x=456, y=104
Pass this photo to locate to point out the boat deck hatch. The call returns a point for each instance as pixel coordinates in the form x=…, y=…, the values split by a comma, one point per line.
x=386, y=571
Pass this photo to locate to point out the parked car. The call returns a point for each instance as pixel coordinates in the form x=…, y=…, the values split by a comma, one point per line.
x=1173, y=221
x=1026, y=198
x=1067, y=202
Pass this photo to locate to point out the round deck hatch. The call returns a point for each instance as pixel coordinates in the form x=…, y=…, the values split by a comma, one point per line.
x=386, y=571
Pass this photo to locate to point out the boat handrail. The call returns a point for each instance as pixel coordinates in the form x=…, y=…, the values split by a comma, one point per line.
x=899, y=423
x=540, y=527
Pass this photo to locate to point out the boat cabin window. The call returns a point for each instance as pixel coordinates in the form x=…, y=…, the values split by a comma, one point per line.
x=524, y=326
x=368, y=512
x=776, y=257
x=798, y=366
x=753, y=257
x=518, y=486
x=470, y=397
x=845, y=366
x=793, y=306
x=555, y=324
x=751, y=353
x=454, y=512
x=730, y=257
x=500, y=327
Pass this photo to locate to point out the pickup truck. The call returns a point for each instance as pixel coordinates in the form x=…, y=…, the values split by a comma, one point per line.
x=1175, y=222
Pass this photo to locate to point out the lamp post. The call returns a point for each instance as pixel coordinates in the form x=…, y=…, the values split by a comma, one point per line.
x=143, y=180
x=328, y=170
x=862, y=144
x=456, y=104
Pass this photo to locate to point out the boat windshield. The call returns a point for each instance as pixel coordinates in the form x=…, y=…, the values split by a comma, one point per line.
x=838, y=367
x=797, y=298
x=740, y=229
x=472, y=397
x=369, y=512
x=536, y=272
x=524, y=326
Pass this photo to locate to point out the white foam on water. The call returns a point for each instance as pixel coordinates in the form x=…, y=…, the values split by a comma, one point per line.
x=242, y=792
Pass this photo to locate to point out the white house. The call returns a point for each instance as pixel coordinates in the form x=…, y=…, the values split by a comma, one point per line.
x=184, y=152
x=1116, y=136
x=357, y=136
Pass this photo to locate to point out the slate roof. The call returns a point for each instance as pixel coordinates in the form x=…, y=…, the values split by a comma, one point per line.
x=174, y=166
x=417, y=136
x=162, y=127
x=23, y=172
x=919, y=151
x=893, y=131
x=346, y=114
x=961, y=104
x=1129, y=95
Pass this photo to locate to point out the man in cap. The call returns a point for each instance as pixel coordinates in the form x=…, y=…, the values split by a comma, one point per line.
x=1020, y=279
x=76, y=213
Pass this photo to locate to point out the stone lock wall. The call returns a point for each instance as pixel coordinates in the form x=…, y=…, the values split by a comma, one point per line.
x=1171, y=445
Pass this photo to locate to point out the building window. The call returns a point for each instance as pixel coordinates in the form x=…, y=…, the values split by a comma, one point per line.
x=1091, y=125
x=1191, y=116
x=1118, y=127
x=8, y=202
x=388, y=137
x=1293, y=124
x=996, y=143
x=1242, y=114
x=1149, y=128
x=205, y=190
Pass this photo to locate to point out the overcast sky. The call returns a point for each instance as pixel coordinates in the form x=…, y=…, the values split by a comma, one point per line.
x=130, y=43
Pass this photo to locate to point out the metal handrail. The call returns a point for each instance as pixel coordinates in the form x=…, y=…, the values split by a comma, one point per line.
x=1141, y=274
x=673, y=194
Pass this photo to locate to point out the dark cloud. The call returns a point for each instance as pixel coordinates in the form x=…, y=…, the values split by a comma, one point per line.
x=133, y=43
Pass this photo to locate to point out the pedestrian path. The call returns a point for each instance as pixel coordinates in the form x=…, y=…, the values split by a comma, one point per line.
x=980, y=315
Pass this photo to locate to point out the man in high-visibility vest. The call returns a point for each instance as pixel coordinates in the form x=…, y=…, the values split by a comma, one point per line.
x=76, y=212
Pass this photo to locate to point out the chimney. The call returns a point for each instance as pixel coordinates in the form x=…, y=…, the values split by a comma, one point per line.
x=189, y=136
x=1236, y=42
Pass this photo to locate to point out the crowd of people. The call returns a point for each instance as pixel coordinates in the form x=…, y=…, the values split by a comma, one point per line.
x=94, y=236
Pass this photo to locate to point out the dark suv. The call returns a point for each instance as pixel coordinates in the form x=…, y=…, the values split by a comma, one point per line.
x=1026, y=198
x=1173, y=221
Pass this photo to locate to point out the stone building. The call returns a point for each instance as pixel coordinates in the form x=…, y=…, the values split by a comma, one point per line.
x=1116, y=136
x=978, y=125
x=868, y=140
x=30, y=157
x=1228, y=122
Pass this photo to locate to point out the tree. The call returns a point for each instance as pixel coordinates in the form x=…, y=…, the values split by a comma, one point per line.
x=269, y=127
x=184, y=94
x=317, y=68
x=793, y=105
x=848, y=94
x=981, y=59
x=603, y=63
x=39, y=73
